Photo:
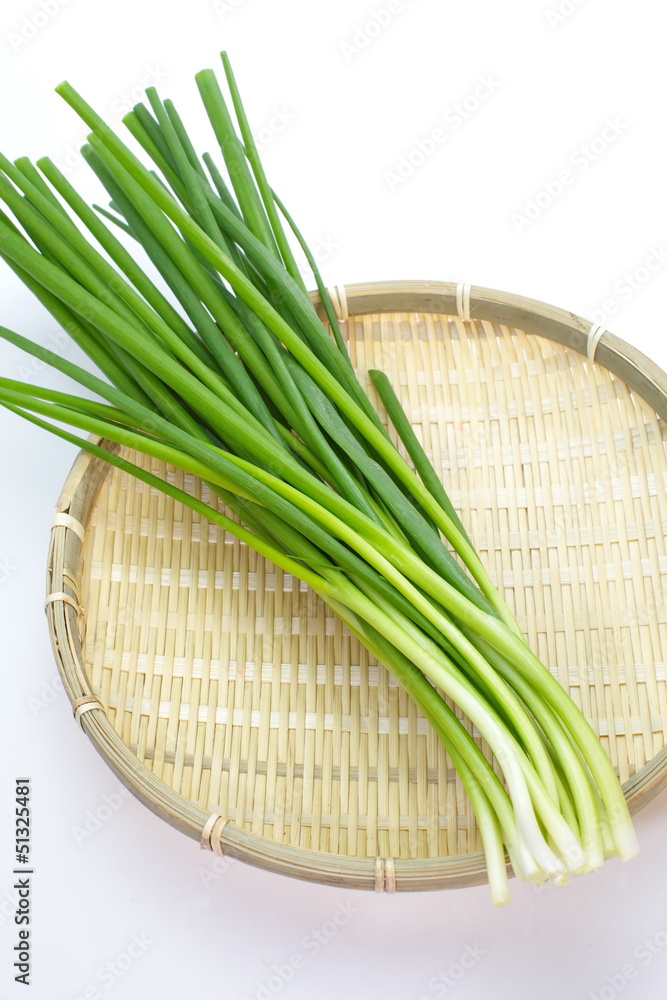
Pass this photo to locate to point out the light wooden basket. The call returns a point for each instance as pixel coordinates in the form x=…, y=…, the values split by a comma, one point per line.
x=236, y=706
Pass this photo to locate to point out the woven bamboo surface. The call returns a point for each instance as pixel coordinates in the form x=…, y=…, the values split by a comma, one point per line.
x=239, y=693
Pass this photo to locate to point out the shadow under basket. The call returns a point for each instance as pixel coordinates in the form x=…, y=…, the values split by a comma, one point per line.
x=235, y=704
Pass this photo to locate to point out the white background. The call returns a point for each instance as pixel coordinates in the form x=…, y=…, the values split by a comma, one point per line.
x=350, y=106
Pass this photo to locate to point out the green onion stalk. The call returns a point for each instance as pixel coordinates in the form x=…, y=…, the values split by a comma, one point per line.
x=208, y=353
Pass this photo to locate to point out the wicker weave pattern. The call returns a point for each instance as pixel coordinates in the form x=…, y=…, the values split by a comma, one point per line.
x=245, y=695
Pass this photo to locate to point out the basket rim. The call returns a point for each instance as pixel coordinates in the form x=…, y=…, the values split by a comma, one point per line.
x=77, y=499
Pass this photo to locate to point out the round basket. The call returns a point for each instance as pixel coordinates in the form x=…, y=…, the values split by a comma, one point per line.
x=236, y=706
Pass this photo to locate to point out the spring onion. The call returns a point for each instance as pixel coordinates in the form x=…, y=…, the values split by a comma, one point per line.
x=227, y=372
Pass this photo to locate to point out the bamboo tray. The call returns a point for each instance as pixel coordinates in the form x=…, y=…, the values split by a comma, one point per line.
x=235, y=705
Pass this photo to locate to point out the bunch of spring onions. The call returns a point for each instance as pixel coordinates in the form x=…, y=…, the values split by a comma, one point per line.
x=234, y=378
